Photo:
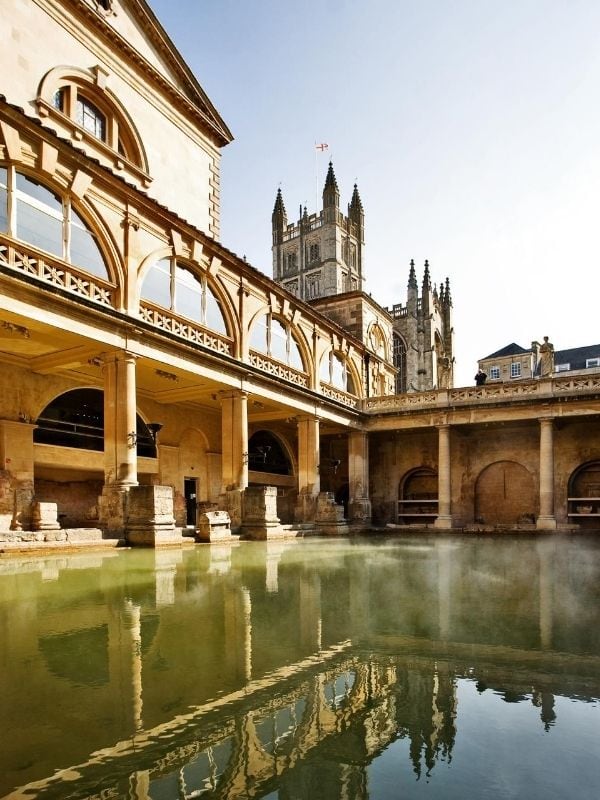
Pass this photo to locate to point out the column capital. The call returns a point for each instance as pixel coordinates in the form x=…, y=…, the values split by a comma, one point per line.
x=232, y=394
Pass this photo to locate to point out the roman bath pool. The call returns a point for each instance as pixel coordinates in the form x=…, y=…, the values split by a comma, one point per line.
x=412, y=667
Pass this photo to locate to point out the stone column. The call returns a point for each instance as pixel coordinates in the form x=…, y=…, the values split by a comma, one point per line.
x=309, y=484
x=546, y=519
x=234, y=447
x=444, y=517
x=359, y=505
x=16, y=475
x=120, y=451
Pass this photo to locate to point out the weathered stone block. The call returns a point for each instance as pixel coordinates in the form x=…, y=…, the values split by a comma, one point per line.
x=45, y=517
x=213, y=526
x=150, y=519
x=260, y=520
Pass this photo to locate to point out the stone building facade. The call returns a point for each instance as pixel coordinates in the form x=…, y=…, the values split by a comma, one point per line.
x=320, y=259
x=146, y=369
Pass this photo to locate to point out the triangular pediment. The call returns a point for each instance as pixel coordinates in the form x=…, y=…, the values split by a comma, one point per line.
x=134, y=27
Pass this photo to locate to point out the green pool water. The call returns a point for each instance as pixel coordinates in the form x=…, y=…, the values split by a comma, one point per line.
x=432, y=667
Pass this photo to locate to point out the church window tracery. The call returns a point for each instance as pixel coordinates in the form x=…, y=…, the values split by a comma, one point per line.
x=313, y=285
x=35, y=214
x=176, y=287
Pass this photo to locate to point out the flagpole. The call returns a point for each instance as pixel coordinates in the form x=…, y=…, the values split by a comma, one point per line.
x=316, y=181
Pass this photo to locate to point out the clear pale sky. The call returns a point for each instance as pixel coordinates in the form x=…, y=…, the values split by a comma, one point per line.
x=472, y=128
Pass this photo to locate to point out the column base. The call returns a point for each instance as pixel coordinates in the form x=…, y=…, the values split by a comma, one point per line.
x=150, y=520
x=359, y=512
x=546, y=523
x=305, y=509
x=260, y=514
x=330, y=516
x=443, y=522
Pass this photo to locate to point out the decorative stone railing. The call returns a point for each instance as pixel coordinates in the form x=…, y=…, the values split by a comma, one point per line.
x=52, y=271
x=279, y=370
x=166, y=321
x=337, y=394
x=544, y=388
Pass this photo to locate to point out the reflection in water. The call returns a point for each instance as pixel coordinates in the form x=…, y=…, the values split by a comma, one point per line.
x=439, y=666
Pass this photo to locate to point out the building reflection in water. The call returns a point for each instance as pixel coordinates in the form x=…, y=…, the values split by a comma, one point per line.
x=284, y=667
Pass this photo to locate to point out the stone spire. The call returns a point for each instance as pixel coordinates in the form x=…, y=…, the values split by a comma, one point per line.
x=412, y=276
x=447, y=295
x=426, y=290
x=426, y=278
x=278, y=218
x=331, y=193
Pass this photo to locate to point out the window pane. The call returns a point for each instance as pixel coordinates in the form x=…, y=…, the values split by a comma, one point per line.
x=278, y=341
x=338, y=373
x=157, y=284
x=3, y=210
x=3, y=176
x=258, y=335
x=91, y=118
x=324, y=369
x=295, y=358
x=85, y=252
x=188, y=295
x=39, y=193
x=214, y=316
x=39, y=229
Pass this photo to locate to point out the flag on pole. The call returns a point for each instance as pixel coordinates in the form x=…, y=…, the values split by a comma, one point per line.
x=322, y=146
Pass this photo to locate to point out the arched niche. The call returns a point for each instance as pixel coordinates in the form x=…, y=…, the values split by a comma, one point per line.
x=584, y=495
x=505, y=495
x=418, y=496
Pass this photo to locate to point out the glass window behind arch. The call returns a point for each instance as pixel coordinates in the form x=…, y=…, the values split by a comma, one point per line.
x=157, y=284
x=39, y=216
x=85, y=252
x=188, y=295
x=3, y=201
x=91, y=118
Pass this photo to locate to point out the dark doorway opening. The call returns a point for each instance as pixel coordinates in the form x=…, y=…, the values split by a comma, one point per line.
x=190, y=491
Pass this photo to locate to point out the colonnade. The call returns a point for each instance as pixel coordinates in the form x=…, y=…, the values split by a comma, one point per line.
x=120, y=456
x=546, y=519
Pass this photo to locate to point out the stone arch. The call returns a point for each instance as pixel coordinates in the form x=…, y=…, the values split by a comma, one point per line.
x=294, y=331
x=505, y=494
x=229, y=315
x=418, y=496
x=75, y=419
x=82, y=208
x=278, y=460
x=399, y=356
x=354, y=380
x=583, y=487
x=378, y=341
x=93, y=83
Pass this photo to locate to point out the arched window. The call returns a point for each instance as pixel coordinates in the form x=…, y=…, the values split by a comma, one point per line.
x=79, y=100
x=266, y=454
x=35, y=214
x=76, y=419
x=400, y=363
x=174, y=286
x=270, y=336
x=334, y=371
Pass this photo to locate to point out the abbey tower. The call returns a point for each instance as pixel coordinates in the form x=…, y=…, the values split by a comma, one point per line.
x=320, y=259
